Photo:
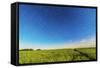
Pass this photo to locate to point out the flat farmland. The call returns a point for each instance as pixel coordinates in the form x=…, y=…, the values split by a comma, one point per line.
x=56, y=55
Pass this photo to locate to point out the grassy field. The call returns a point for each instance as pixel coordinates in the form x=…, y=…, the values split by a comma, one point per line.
x=56, y=55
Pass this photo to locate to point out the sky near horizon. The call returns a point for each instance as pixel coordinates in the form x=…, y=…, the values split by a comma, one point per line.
x=42, y=26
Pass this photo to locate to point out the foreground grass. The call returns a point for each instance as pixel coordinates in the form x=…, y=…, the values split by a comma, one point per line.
x=56, y=55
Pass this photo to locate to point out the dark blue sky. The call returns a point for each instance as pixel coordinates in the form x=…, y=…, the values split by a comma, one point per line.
x=51, y=25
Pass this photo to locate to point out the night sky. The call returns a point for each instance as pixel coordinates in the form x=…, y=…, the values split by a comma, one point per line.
x=45, y=25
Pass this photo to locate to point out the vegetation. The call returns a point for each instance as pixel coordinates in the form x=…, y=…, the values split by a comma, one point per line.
x=56, y=55
x=26, y=49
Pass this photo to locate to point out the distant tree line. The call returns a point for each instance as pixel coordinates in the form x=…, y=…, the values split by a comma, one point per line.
x=29, y=49
x=26, y=49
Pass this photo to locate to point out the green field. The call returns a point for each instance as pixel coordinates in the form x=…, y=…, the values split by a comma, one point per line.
x=56, y=55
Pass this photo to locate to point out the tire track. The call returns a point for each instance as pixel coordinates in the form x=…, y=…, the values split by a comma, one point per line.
x=84, y=54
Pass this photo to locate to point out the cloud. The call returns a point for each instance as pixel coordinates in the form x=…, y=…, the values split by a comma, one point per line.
x=91, y=39
x=86, y=42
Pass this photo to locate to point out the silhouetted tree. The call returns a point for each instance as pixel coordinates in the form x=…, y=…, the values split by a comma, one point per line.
x=38, y=49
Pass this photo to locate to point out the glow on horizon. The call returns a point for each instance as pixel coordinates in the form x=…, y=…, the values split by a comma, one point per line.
x=84, y=43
